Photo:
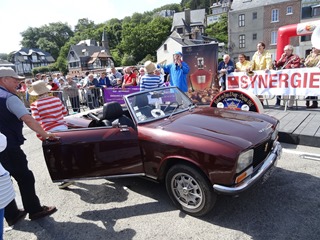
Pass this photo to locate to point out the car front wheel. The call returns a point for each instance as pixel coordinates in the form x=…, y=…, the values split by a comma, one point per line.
x=190, y=190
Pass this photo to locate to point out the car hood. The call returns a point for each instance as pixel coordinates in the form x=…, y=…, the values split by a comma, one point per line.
x=240, y=128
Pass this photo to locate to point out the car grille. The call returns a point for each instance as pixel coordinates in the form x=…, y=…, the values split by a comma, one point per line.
x=261, y=152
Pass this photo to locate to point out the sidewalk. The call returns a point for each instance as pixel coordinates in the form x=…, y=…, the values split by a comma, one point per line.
x=297, y=126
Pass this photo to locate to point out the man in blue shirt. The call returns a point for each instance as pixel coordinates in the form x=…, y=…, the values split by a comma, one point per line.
x=178, y=71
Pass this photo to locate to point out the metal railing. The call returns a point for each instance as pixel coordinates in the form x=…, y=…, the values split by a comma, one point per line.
x=74, y=101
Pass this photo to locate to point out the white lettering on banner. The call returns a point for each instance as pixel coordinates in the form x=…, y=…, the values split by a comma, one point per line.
x=298, y=81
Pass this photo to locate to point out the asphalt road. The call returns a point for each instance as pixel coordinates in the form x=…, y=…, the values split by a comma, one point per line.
x=287, y=206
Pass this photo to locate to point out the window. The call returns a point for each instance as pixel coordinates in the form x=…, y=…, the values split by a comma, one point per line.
x=180, y=30
x=254, y=36
x=34, y=58
x=316, y=11
x=254, y=15
x=242, y=41
x=305, y=38
x=275, y=15
x=241, y=20
x=289, y=10
x=274, y=35
x=165, y=47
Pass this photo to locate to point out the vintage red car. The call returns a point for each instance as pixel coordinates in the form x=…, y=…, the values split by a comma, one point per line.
x=198, y=152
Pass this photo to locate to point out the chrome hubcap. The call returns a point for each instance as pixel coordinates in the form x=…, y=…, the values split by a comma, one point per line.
x=187, y=190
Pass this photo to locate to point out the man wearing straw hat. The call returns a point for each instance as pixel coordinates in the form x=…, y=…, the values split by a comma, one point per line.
x=13, y=159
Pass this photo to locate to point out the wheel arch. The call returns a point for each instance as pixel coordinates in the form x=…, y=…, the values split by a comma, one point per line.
x=168, y=163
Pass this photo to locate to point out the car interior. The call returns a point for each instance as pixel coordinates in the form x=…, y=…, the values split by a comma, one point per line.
x=112, y=115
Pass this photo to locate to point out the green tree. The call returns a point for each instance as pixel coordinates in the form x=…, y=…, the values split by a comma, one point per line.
x=49, y=38
x=114, y=31
x=196, y=4
x=83, y=24
x=4, y=56
x=144, y=39
x=30, y=37
x=128, y=60
x=132, y=39
x=176, y=7
x=10, y=57
x=219, y=29
x=117, y=56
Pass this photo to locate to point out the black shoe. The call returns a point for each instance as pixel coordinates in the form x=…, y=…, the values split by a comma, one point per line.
x=313, y=106
x=21, y=215
x=46, y=211
x=64, y=185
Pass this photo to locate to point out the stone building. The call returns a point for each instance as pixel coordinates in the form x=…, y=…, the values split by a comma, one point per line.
x=251, y=21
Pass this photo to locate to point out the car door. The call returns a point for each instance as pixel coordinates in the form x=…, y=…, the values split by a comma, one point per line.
x=93, y=152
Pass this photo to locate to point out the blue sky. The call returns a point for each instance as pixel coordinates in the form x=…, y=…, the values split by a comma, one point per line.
x=16, y=16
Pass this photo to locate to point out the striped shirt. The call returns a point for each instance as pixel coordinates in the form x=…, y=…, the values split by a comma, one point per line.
x=150, y=81
x=49, y=112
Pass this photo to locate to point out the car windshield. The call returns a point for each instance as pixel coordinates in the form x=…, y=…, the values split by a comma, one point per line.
x=157, y=103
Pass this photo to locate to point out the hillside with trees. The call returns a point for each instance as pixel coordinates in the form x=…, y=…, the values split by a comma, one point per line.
x=132, y=40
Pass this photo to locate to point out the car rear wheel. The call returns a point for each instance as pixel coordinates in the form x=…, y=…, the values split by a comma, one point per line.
x=190, y=190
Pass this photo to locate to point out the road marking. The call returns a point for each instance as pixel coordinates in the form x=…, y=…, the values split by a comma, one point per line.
x=306, y=155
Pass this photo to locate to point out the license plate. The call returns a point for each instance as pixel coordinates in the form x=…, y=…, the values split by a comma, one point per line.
x=268, y=173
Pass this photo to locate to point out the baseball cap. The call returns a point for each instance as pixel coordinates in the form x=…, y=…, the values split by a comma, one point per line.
x=178, y=53
x=9, y=72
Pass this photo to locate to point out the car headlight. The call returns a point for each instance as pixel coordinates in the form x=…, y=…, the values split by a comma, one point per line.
x=244, y=160
x=275, y=133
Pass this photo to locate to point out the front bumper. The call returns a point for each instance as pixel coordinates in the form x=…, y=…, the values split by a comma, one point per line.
x=266, y=168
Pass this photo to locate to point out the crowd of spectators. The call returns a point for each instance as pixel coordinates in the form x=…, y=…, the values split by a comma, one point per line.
x=88, y=90
x=261, y=60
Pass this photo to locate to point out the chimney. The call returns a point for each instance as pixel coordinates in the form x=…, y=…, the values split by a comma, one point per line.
x=187, y=16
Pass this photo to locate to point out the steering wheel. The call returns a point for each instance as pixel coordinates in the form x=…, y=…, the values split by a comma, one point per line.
x=157, y=113
x=169, y=104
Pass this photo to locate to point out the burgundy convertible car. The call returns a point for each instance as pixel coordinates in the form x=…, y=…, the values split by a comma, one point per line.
x=198, y=152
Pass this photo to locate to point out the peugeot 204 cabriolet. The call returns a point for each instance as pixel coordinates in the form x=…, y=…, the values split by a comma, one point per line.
x=197, y=152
